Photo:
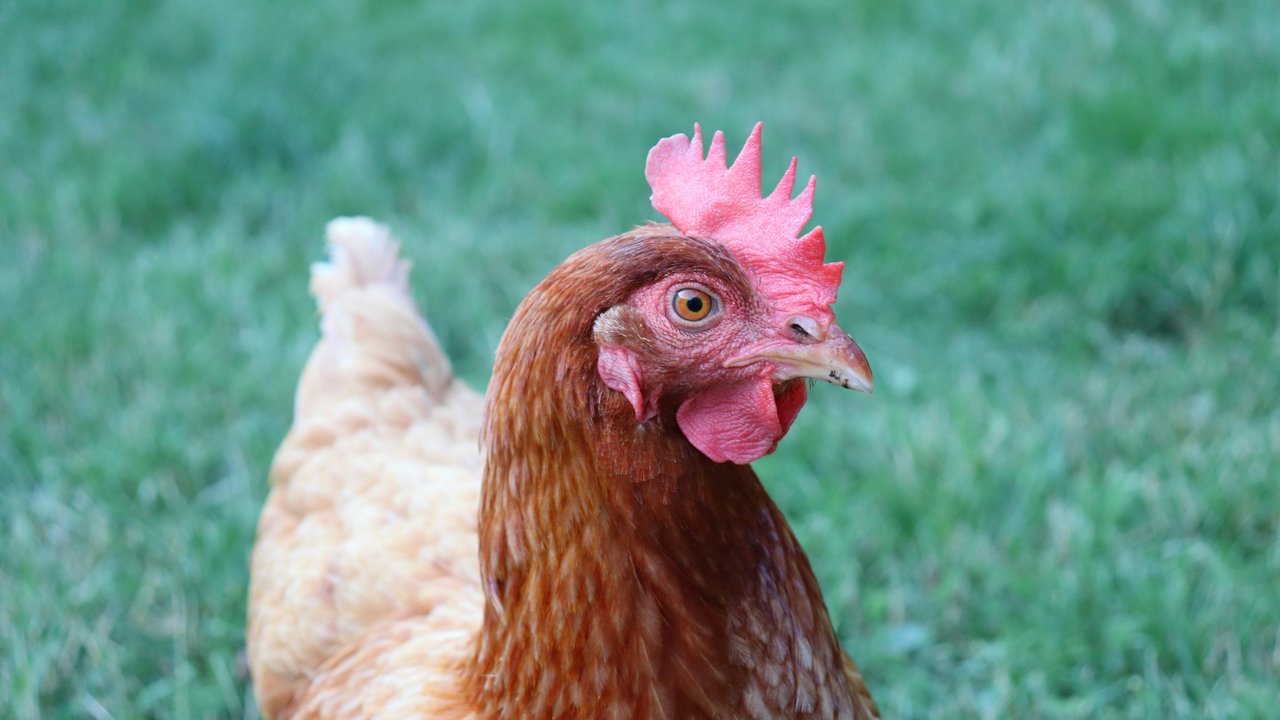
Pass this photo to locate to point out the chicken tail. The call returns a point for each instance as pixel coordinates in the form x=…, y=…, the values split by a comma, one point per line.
x=373, y=337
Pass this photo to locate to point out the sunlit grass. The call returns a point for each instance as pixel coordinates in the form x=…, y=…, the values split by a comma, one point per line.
x=1062, y=230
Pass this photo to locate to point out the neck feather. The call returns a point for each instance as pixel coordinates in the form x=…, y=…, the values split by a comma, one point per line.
x=626, y=574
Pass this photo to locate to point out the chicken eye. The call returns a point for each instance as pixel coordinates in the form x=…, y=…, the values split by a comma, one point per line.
x=692, y=305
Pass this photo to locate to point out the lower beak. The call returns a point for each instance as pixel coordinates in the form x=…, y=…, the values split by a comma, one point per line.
x=837, y=360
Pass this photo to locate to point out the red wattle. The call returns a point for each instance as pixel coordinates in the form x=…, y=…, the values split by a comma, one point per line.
x=739, y=422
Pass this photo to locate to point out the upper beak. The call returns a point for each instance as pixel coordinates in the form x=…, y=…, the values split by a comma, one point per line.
x=836, y=359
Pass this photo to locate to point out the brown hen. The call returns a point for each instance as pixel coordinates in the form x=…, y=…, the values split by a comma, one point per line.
x=610, y=554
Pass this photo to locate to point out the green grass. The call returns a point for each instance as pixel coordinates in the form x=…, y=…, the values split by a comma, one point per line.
x=1062, y=228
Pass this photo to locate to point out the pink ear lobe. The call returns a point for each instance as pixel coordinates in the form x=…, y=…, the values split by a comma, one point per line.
x=620, y=370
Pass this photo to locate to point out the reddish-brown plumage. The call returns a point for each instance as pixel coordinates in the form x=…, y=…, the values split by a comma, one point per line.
x=626, y=574
x=625, y=562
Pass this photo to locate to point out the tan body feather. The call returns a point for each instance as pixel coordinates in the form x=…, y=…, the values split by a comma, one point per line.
x=364, y=575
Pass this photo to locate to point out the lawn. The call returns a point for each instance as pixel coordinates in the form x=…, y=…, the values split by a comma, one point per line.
x=1062, y=228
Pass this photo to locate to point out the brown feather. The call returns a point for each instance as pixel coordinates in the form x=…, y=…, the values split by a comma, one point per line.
x=620, y=574
x=627, y=575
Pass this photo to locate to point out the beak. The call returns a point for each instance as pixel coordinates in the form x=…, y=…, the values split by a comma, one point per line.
x=837, y=360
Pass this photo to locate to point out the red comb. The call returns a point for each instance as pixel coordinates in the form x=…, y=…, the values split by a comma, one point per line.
x=706, y=199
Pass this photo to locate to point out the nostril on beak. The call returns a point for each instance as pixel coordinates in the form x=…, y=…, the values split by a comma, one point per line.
x=805, y=329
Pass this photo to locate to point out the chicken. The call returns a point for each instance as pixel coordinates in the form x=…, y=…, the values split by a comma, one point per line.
x=594, y=544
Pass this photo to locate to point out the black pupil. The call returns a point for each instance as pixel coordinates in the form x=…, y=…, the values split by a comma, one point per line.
x=694, y=304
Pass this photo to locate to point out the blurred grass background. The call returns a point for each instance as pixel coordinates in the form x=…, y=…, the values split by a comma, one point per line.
x=1062, y=229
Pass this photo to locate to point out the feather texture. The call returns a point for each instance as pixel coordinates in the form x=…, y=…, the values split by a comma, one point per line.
x=602, y=568
x=369, y=533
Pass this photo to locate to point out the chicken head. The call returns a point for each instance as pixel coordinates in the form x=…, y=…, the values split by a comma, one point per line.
x=730, y=346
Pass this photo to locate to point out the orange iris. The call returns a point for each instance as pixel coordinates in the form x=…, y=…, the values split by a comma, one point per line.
x=692, y=304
